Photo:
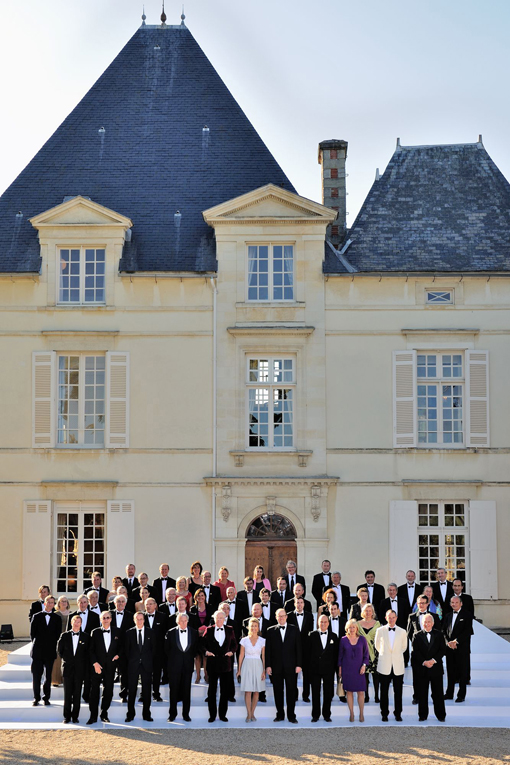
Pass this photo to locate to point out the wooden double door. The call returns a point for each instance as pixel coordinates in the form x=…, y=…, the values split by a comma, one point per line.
x=272, y=554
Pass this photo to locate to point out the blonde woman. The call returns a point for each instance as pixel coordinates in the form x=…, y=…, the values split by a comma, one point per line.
x=63, y=610
x=368, y=626
x=353, y=659
x=181, y=587
x=251, y=668
x=355, y=612
x=144, y=594
x=223, y=582
x=116, y=582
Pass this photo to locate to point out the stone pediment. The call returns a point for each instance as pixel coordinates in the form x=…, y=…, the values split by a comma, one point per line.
x=269, y=203
x=80, y=211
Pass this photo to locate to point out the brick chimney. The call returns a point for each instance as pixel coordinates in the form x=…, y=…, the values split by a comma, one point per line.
x=332, y=156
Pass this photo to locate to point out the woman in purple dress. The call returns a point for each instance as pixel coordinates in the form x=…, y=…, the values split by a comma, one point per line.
x=353, y=659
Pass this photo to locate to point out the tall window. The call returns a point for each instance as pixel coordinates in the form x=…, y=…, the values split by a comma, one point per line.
x=271, y=272
x=81, y=400
x=82, y=275
x=270, y=403
x=80, y=546
x=442, y=540
x=440, y=398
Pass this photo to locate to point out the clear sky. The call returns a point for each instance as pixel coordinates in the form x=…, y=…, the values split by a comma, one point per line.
x=366, y=71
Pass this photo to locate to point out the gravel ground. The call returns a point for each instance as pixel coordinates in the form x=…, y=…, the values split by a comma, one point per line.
x=465, y=746
x=5, y=650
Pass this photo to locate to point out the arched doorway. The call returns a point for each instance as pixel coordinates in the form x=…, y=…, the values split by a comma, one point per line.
x=271, y=542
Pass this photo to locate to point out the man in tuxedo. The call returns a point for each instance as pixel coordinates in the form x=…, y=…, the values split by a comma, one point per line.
x=247, y=597
x=73, y=649
x=457, y=628
x=303, y=620
x=375, y=591
x=236, y=613
x=94, y=605
x=337, y=626
x=283, y=664
x=102, y=592
x=169, y=607
x=220, y=646
x=139, y=648
x=256, y=613
x=323, y=651
x=212, y=591
x=182, y=606
x=268, y=608
x=158, y=623
x=468, y=606
x=280, y=596
x=105, y=649
x=415, y=624
x=160, y=584
x=321, y=581
x=89, y=620
x=122, y=619
x=181, y=647
x=427, y=664
x=292, y=578
x=394, y=602
x=409, y=591
x=298, y=593
x=130, y=581
x=45, y=629
x=343, y=593
x=143, y=579
x=442, y=591
x=38, y=605
x=391, y=644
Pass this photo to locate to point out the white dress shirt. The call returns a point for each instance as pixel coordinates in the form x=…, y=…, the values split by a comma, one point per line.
x=249, y=597
x=410, y=593
x=335, y=625
x=300, y=619
x=391, y=635
x=394, y=605
x=84, y=616
x=324, y=637
x=138, y=632
x=219, y=634
x=338, y=590
x=232, y=605
x=183, y=637
x=370, y=588
x=76, y=639
x=283, y=631
x=118, y=618
x=107, y=637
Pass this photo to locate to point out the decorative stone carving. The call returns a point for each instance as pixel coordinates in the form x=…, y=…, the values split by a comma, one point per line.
x=271, y=505
x=316, y=502
x=226, y=502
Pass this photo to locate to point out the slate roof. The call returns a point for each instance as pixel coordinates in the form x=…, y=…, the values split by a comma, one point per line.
x=152, y=160
x=435, y=208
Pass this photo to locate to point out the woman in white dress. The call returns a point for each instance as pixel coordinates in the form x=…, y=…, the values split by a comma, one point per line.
x=251, y=667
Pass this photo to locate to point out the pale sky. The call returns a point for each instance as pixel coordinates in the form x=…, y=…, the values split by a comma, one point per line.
x=366, y=71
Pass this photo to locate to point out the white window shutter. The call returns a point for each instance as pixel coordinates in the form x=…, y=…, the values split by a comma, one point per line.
x=43, y=399
x=36, y=562
x=117, y=400
x=403, y=542
x=120, y=536
x=477, y=396
x=483, y=546
x=404, y=399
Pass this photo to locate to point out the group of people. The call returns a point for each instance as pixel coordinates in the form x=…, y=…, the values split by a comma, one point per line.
x=161, y=633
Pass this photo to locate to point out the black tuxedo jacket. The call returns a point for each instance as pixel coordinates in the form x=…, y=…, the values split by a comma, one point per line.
x=93, y=621
x=413, y=624
x=242, y=600
x=298, y=579
x=159, y=629
x=444, y=603
x=178, y=659
x=36, y=606
x=135, y=593
x=130, y=587
x=164, y=608
x=318, y=587
x=341, y=626
x=193, y=620
x=73, y=663
x=283, y=655
x=346, y=599
x=461, y=631
x=103, y=595
x=272, y=613
x=306, y=627
x=378, y=594
x=126, y=623
x=424, y=651
x=322, y=661
x=468, y=604
x=214, y=596
x=219, y=662
x=263, y=629
x=157, y=588
x=402, y=611
x=402, y=593
x=44, y=636
x=290, y=606
x=132, y=651
x=276, y=598
x=98, y=652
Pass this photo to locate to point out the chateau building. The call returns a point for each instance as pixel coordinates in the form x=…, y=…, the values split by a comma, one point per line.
x=199, y=363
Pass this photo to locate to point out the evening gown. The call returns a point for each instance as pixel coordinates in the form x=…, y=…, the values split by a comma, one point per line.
x=252, y=667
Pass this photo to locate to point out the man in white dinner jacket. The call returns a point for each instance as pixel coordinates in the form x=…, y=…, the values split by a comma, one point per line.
x=391, y=644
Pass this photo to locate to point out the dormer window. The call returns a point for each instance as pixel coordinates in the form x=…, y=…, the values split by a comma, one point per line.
x=81, y=276
x=271, y=272
x=439, y=297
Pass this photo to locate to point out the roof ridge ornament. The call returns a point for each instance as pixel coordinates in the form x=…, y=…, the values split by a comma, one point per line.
x=143, y=16
x=183, y=17
x=163, y=15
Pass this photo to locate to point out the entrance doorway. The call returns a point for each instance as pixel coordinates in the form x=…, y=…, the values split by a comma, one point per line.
x=270, y=543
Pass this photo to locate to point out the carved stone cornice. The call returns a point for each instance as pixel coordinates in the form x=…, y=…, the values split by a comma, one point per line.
x=273, y=329
x=271, y=480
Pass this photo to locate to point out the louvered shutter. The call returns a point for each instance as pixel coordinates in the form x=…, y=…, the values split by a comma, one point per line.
x=36, y=547
x=43, y=399
x=483, y=548
x=120, y=536
x=117, y=400
x=404, y=398
x=477, y=390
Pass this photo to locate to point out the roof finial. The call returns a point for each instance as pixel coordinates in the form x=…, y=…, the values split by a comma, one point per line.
x=143, y=16
x=163, y=15
x=183, y=17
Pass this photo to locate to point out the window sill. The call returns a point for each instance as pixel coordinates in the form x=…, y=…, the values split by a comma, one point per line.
x=301, y=454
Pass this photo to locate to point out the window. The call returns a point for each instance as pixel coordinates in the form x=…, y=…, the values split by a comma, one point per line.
x=442, y=540
x=439, y=297
x=80, y=545
x=270, y=403
x=82, y=276
x=81, y=400
x=271, y=272
x=440, y=392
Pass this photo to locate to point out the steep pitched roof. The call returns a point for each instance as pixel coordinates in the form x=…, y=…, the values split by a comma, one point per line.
x=152, y=160
x=435, y=208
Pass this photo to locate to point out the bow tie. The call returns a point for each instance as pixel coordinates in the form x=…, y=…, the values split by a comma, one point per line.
x=106, y=631
x=393, y=600
x=76, y=634
x=119, y=613
x=392, y=629
x=323, y=633
x=219, y=629
x=300, y=614
x=182, y=632
x=410, y=585
x=282, y=628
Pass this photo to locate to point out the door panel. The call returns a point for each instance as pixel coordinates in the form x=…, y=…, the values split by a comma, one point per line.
x=272, y=555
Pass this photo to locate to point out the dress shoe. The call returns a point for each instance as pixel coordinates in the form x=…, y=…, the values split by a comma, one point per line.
x=367, y=698
x=306, y=699
x=398, y=718
x=75, y=721
x=157, y=698
x=186, y=718
x=47, y=703
x=35, y=703
x=211, y=719
x=328, y=719
x=385, y=718
x=147, y=718
x=377, y=699
x=224, y=719
x=129, y=718
x=415, y=701
x=104, y=717
x=441, y=719
x=460, y=699
x=92, y=721
x=343, y=699
x=171, y=718
x=447, y=697
x=232, y=701
x=292, y=720
x=315, y=719
x=140, y=699
x=424, y=719
x=66, y=720
x=278, y=719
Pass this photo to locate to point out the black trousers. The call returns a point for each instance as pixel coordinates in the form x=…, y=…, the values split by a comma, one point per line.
x=180, y=690
x=287, y=678
x=38, y=667
x=384, y=689
x=457, y=667
x=423, y=680
x=106, y=680
x=146, y=678
x=305, y=674
x=73, y=684
x=157, y=666
x=225, y=681
x=328, y=690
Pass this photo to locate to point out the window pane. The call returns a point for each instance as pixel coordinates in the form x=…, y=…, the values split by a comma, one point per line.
x=258, y=399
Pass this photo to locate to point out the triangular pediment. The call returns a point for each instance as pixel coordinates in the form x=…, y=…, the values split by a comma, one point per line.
x=80, y=211
x=268, y=203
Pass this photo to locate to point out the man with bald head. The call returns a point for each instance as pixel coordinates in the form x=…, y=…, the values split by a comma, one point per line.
x=457, y=628
x=427, y=664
